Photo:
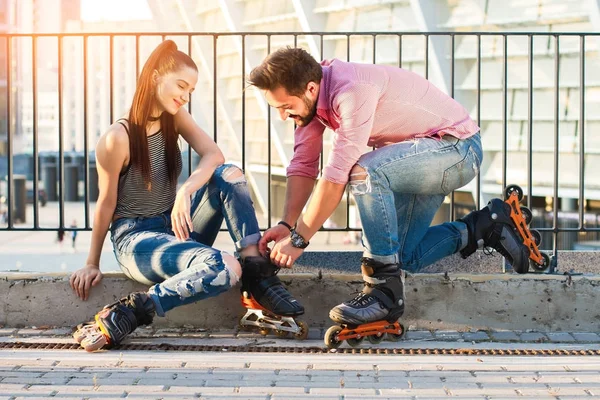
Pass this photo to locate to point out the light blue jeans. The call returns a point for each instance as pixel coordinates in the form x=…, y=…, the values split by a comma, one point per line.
x=405, y=185
x=187, y=271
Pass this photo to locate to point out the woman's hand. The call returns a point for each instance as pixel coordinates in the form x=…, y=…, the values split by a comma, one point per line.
x=82, y=280
x=180, y=215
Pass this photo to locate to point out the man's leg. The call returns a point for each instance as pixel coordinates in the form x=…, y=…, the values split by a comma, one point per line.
x=424, y=170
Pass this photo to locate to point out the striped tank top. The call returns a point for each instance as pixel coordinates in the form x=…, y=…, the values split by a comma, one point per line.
x=133, y=198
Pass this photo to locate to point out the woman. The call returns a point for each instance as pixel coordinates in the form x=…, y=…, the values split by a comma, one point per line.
x=162, y=235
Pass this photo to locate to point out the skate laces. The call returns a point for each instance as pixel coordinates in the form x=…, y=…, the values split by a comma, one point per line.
x=361, y=299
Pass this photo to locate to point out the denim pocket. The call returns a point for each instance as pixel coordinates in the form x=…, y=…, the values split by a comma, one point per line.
x=461, y=173
x=121, y=228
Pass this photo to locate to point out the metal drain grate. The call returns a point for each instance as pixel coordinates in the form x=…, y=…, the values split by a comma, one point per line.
x=312, y=350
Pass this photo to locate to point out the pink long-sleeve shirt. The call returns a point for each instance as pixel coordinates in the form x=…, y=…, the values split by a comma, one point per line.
x=372, y=106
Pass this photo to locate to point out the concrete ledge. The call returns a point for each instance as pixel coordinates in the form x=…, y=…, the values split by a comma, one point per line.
x=349, y=262
x=435, y=301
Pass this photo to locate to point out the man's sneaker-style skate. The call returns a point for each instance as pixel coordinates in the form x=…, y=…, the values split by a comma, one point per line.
x=503, y=226
x=269, y=305
x=374, y=311
x=115, y=321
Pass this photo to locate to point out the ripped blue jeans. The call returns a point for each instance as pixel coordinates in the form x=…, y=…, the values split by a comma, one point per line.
x=184, y=272
x=404, y=186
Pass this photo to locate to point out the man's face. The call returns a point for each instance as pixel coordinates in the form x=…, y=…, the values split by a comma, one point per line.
x=301, y=109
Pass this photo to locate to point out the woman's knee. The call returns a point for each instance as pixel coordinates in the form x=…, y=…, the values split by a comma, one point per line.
x=210, y=275
x=229, y=174
x=233, y=267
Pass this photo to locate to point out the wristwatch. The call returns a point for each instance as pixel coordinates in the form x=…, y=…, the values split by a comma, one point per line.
x=297, y=240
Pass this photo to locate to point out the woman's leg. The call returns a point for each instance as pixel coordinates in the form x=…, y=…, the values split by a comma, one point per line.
x=226, y=197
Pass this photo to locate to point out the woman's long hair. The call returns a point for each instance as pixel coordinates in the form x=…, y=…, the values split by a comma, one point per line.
x=164, y=59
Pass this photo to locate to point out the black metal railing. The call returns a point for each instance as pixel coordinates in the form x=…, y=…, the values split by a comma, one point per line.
x=553, y=41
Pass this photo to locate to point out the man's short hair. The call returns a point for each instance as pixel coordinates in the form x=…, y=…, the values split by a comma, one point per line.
x=290, y=68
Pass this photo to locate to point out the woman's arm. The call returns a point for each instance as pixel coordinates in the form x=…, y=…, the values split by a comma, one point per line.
x=112, y=153
x=211, y=158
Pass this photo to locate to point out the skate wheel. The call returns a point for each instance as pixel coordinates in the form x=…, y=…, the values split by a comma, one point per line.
x=355, y=342
x=393, y=337
x=84, y=330
x=545, y=264
x=94, y=343
x=527, y=215
x=78, y=336
x=303, y=334
x=331, y=340
x=281, y=334
x=513, y=188
x=537, y=237
x=375, y=339
x=264, y=331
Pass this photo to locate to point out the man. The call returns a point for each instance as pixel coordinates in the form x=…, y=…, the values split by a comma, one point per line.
x=426, y=146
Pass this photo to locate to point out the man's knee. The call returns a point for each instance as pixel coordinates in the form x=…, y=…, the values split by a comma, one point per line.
x=360, y=181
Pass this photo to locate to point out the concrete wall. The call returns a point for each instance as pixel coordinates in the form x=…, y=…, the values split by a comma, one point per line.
x=434, y=301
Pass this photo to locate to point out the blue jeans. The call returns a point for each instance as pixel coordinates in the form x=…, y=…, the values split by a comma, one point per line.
x=187, y=271
x=405, y=185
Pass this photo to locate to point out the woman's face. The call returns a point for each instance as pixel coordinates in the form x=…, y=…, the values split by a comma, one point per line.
x=173, y=89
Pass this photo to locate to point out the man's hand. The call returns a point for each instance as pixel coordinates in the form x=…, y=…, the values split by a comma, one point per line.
x=274, y=234
x=82, y=280
x=284, y=254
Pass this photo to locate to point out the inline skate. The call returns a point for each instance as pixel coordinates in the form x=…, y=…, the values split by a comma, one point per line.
x=269, y=306
x=374, y=311
x=114, y=322
x=503, y=226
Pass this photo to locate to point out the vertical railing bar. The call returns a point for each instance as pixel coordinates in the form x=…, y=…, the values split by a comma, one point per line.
x=61, y=150
x=530, y=123
x=504, y=119
x=189, y=105
x=9, y=132
x=347, y=191
x=322, y=54
x=374, y=49
x=348, y=47
x=504, y=109
x=137, y=58
x=269, y=155
x=243, y=103
x=581, y=132
x=452, y=66
x=215, y=37
x=478, y=185
x=295, y=40
x=111, y=77
x=36, y=221
x=555, y=229
x=400, y=51
x=426, y=56
x=86, y=145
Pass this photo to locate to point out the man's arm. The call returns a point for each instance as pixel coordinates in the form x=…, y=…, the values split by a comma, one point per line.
x=297, y=192
x=326, y=198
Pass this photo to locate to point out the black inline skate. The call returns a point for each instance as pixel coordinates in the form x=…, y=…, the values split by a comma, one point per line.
x=115, y=321
x=374, y=311
x=269, y=305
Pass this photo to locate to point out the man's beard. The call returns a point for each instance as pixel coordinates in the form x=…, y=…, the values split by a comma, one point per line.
x=312, y=111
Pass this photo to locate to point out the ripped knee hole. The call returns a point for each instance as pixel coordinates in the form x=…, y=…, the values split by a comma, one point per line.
x=233, y=174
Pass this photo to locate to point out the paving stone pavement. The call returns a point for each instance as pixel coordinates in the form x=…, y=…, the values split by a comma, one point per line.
x=74, y=374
